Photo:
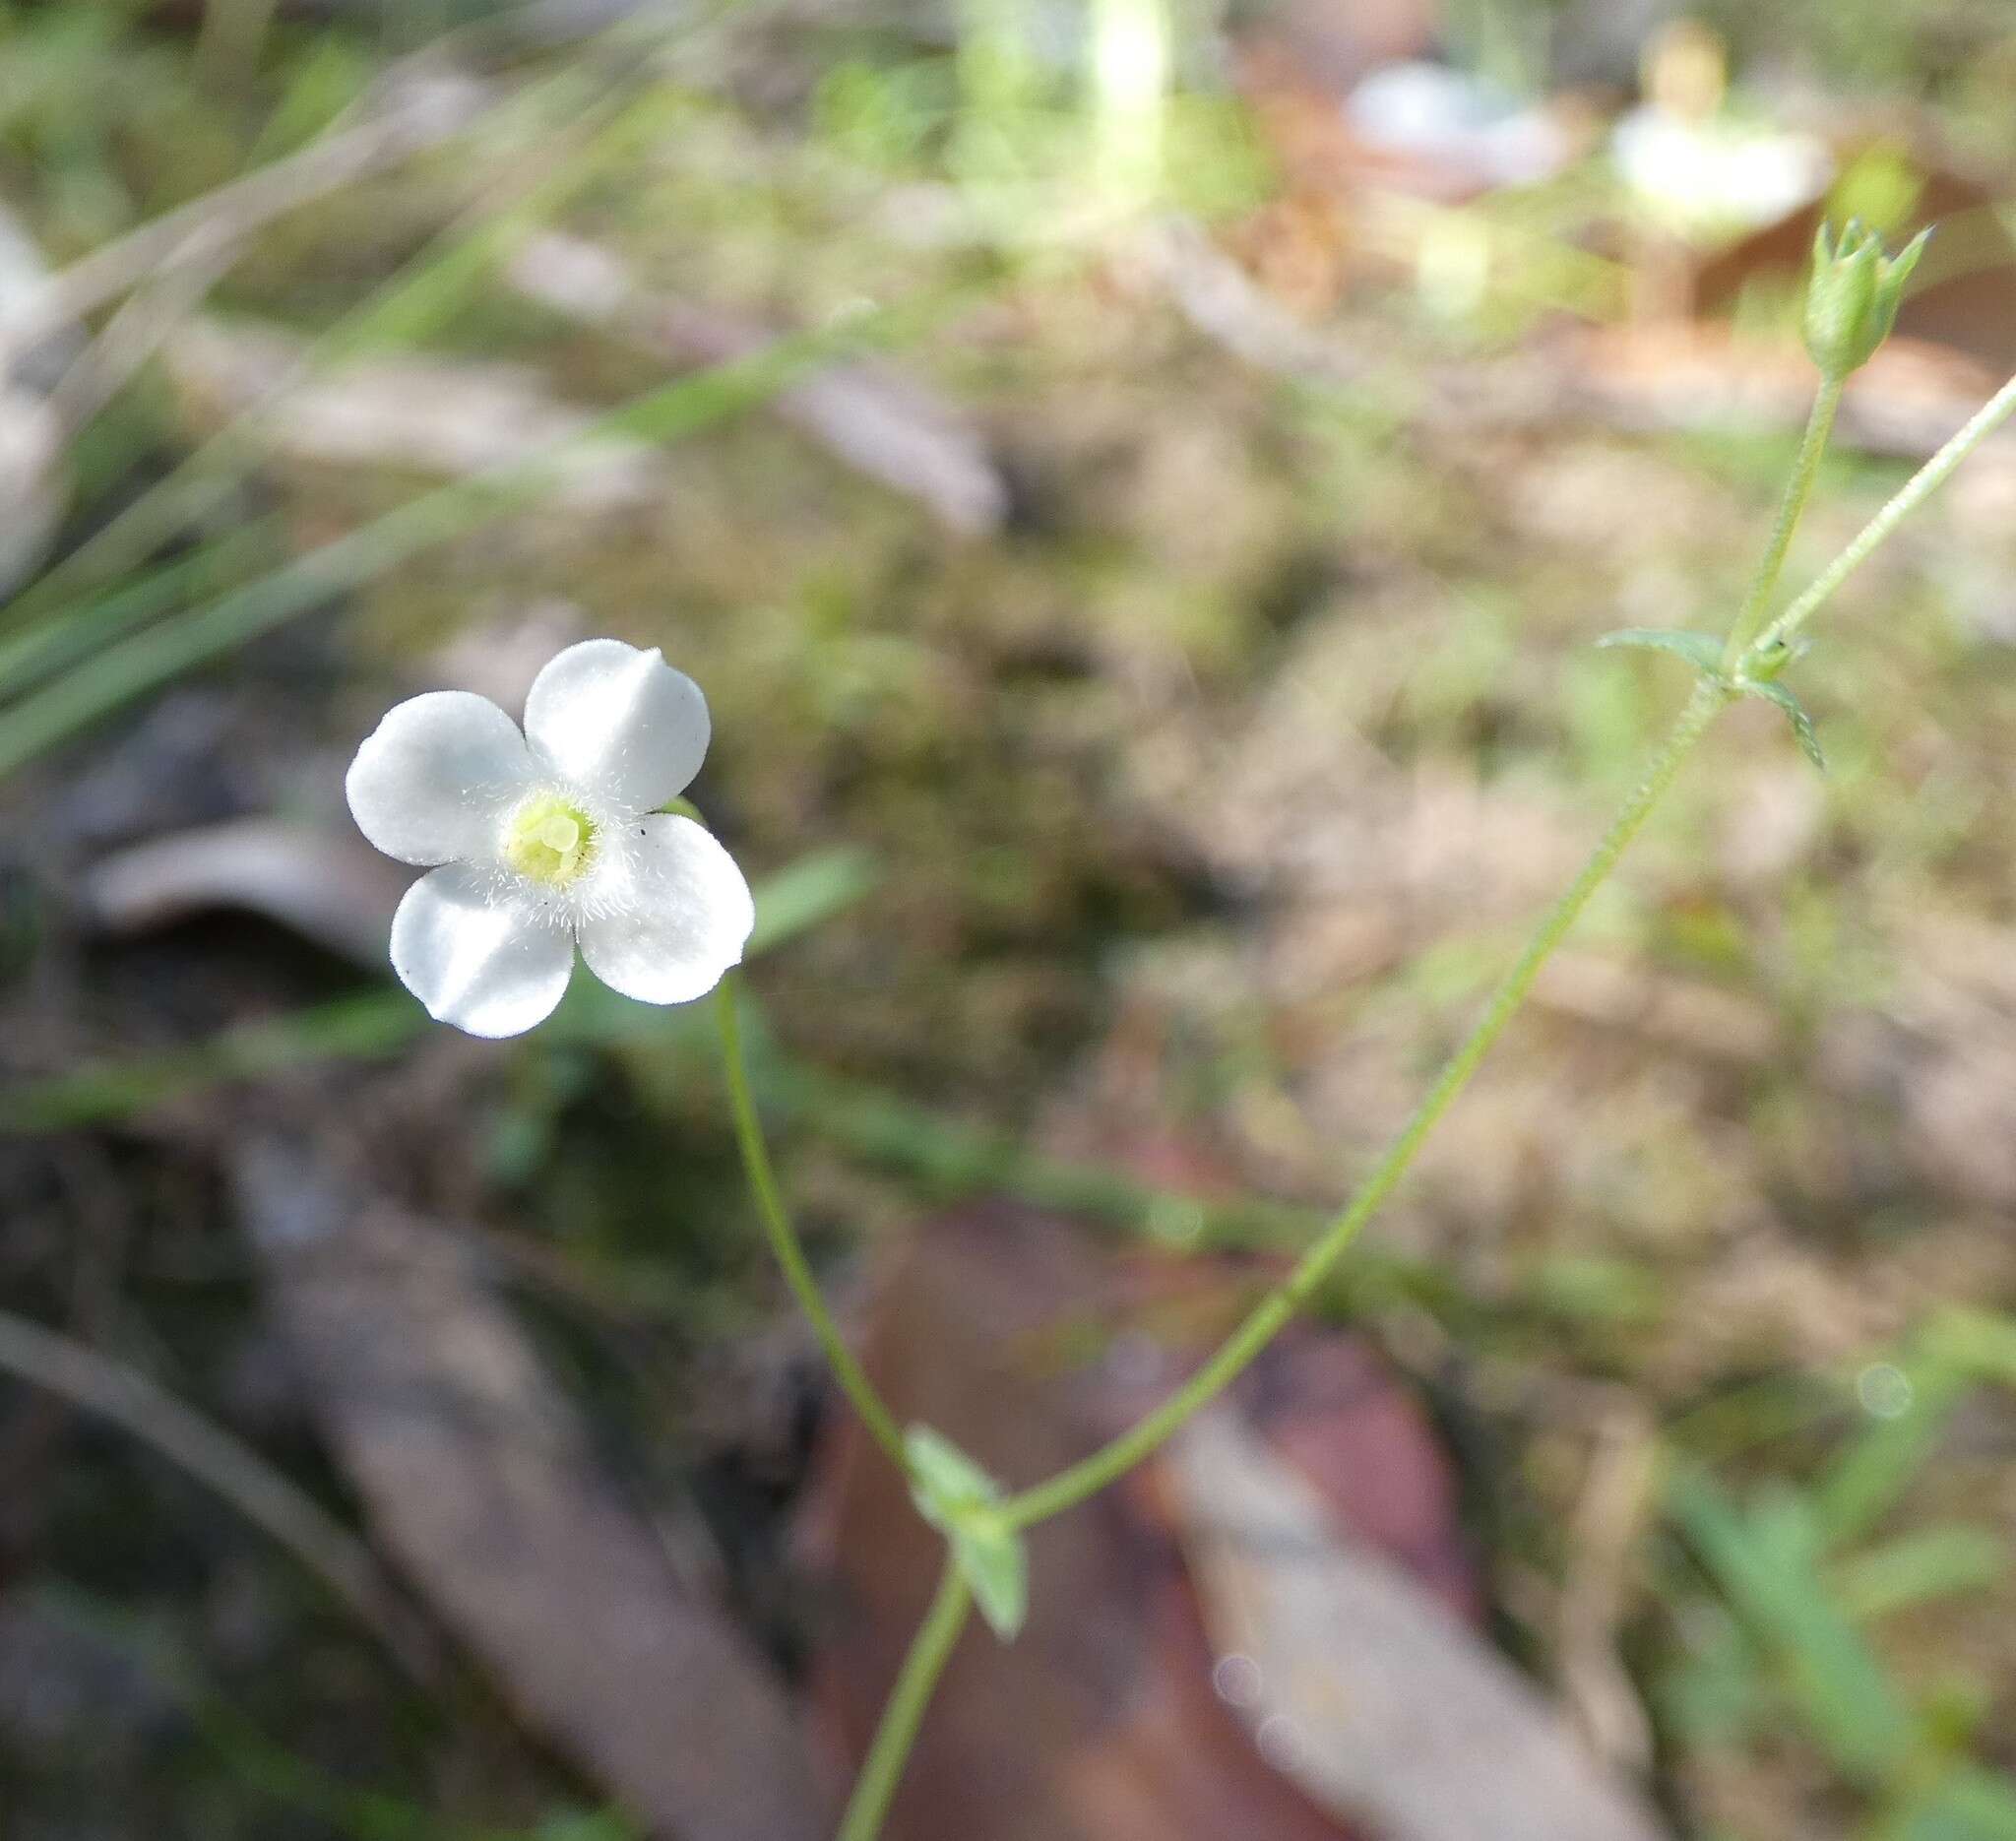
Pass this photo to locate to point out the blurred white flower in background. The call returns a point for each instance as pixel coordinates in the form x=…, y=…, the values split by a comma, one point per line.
x=550, y=839
x=1715, y=177
x=1694, y=166
x=1472, y=134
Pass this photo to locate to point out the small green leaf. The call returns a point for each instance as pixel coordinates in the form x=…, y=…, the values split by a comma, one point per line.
x=1933, y=1563
x=1802, y=722
x=1703, y=650
x=1764, y=1559
x=945, y=1482
x=964, y=1503
x=995, y=1562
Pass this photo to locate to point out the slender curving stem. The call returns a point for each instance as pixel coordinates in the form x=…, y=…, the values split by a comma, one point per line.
x=933, y=1643
x=1907, y=499
x=783, y=1238
x=929, y=1650
x=1798, y=489
x=1091, y=1473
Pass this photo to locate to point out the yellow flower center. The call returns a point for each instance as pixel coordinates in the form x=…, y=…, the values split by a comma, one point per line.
x=549, y=840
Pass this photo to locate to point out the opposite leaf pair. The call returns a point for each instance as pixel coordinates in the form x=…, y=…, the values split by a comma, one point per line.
x=1703, y=650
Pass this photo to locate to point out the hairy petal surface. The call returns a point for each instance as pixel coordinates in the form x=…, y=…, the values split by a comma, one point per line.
x=677, y=914
x=619, y=722
x=490, y=965
x=434, y=780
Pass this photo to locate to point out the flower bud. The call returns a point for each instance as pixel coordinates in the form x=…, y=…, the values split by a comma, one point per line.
x=1853, y=299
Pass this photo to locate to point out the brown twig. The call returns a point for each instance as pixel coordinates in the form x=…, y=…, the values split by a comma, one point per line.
x=1608, y=1527
x=130, y=337
x=81, y=1374
x=420, y=106
x=868, y=415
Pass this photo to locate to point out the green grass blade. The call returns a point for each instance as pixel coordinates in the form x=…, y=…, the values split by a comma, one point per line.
x=145, y=663
x=1867, y=1479
x=379, y=1023
x=44, y=650
x=1967, y=1803
x=1766, y=1562
x=1978, y=1344
x=1916, y=1568
x=419, y=299
x=360, y=1027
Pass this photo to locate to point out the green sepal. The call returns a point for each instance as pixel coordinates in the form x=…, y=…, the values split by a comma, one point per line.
x=1802, y=722
x=1756, y=676
x=1703, y=650
x=1767, y=659
x=964, y=1503
x=1852, y=297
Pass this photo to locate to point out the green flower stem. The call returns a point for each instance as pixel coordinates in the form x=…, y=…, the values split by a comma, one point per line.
x=931, y=1649
x=1798, y=489
x=1909, y=496
x=1712, y=694
x=1091, y=1475
x=783, y=1238
x=942, y=1625
x=1086, y=1477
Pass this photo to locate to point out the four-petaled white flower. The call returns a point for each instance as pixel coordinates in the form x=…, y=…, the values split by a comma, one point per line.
x=550, y=838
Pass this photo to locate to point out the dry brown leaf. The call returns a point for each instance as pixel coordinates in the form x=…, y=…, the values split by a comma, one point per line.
x=330, y=888
x=1357, y=1684
x=872, y=417
x=479, y=1481
x=1106, y=1718
x=35, y=481
x=434, y=414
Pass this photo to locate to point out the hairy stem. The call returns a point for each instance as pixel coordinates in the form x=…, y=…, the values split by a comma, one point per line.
x=1712, y=694
x=1091, y=1475
x=929, y=1650
x=1798, y=489
x=783, y=1238
x=1715, y=689
x=1094, y=1473
x=1909, y=498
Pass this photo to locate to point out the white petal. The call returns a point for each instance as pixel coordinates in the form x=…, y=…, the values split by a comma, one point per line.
x=619, y=722
x=433, y=779
x=492, y=967
x=672, y=917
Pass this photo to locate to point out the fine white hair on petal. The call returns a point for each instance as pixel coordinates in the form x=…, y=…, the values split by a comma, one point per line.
x=683, y=916
x=618, y=722
x=489, y=964
x=434, y=778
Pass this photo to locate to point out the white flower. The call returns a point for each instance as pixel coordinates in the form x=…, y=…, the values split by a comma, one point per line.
x=551, y=837
x=1715, y=177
